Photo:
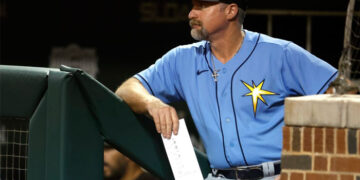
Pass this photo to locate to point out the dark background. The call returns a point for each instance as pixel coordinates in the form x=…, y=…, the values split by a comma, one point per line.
x=130, y=35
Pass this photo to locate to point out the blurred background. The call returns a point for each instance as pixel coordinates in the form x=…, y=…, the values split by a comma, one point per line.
x=124, y=37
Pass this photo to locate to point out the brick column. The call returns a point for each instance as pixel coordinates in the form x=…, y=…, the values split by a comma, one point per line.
x=321, y=138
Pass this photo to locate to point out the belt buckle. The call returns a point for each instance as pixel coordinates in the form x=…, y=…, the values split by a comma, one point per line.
x=247, y=169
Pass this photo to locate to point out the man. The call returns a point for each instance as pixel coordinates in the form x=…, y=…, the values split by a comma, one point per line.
x=119, y=167
x=234, y=82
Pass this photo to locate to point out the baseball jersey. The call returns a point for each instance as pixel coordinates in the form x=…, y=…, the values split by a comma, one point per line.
x=239, y=117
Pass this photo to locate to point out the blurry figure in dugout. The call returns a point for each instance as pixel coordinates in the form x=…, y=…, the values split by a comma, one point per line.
x=118, y=167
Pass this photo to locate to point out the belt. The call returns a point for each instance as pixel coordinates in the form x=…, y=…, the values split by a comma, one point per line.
x=250, y=172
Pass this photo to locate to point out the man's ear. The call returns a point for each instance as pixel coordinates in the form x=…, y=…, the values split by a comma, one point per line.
x=232, y=11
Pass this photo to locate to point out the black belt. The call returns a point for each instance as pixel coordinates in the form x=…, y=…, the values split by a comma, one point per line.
x=246, y=172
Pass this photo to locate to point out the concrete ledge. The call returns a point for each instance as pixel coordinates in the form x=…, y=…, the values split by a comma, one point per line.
x=327, y=110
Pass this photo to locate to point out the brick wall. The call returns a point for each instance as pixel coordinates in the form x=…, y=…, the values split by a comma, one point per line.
x=317, y=151
x=311, y=153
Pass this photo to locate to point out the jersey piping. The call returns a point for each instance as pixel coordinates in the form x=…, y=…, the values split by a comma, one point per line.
x=232, y=98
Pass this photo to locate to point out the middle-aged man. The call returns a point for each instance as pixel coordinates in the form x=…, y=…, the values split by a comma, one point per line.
x=234, y=82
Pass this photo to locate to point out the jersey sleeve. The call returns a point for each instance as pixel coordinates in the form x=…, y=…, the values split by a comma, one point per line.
x=161, y=79
x=305, y=74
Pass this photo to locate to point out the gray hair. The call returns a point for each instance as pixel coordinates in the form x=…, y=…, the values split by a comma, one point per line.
x=241, y=16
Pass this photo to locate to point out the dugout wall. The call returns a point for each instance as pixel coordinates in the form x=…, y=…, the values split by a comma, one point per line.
x=67, y=115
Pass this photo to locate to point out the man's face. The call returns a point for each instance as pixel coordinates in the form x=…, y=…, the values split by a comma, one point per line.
x=114, y=164
x=205, y=18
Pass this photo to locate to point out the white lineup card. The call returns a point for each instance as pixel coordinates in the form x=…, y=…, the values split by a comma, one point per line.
x=181, y=155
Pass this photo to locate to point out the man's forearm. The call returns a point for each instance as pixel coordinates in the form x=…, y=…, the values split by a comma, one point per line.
x=135, y=95
x=141, y=101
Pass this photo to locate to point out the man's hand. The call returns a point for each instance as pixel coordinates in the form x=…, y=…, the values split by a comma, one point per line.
x=164, y=116
x=140, y=101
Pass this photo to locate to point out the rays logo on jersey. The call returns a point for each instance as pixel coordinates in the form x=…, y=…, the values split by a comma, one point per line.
x=257, y=92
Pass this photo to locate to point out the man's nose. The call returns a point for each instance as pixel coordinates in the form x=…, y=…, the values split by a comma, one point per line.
x=192, y=14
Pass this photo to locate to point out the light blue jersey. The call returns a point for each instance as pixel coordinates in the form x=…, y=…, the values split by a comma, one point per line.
x=239, y=117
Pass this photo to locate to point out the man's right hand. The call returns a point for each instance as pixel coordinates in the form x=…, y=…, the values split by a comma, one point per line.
x=164, y=116
x=140, y=101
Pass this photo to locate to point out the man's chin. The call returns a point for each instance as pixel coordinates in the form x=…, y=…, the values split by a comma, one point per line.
x=196, y=35
x=108, y=175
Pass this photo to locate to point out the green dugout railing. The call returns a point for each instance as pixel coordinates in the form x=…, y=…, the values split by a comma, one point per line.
x=70, y=115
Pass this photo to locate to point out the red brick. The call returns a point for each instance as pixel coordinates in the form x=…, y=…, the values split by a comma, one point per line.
x=296, y=176
x=340, y=141
x=286, y=138
x=319, y=144
x=284, y=176
x=346, y=177
x=358, y=137
x=307, y=139
x=345, y=164
x=320, y=163
x=319, y=176
x=329, y=140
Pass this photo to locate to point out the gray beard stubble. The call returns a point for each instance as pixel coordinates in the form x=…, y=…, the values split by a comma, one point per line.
x=199, y=35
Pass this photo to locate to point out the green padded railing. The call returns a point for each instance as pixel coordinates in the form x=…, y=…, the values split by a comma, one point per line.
x=71, y=114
